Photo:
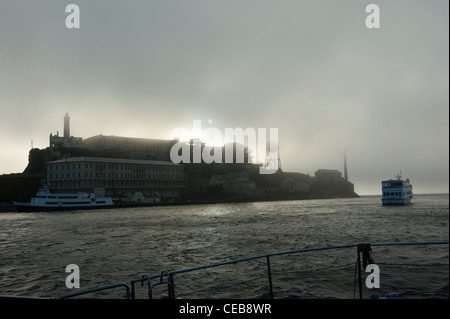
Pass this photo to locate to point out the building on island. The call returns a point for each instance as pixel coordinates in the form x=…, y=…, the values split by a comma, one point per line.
x=237, y=183
x=129, y=169
x=329, y=176
x=330, y=181
x=140, y=170
x=121, y=178
x=156, y=149
x=66, y=140
x=293, y=185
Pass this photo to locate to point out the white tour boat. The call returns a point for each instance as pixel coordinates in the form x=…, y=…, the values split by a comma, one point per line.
x=396, y=191
x=46, y=201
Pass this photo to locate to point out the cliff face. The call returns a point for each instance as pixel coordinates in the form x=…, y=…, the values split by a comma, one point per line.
x=336, y=190
x=36, y=162
x=18, y=187
x=21, y=187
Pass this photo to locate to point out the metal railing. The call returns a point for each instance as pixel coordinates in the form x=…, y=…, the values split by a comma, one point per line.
x=89, y=291
x=416, y=274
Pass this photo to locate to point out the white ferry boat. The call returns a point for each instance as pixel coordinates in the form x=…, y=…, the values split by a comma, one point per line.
x=396, y=191
x=46, y=201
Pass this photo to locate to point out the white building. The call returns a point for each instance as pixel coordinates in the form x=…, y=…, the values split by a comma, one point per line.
x=119, y=177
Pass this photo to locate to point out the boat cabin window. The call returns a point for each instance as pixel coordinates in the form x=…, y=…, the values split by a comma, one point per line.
x=393, y=184
x=392, y=194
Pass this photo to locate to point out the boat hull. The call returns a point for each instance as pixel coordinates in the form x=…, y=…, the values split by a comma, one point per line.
x=396, y=202
x=26, y=208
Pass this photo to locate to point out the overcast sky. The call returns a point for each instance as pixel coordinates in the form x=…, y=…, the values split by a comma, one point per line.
x=312, y=69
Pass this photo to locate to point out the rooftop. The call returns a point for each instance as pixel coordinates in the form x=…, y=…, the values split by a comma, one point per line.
x=328, y=171
x=114, y=137
x=111, y=160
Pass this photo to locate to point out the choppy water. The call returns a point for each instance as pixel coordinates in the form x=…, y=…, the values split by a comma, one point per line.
x=118, y=245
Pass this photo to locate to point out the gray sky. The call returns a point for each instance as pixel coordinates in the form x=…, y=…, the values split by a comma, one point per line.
x=309, y=68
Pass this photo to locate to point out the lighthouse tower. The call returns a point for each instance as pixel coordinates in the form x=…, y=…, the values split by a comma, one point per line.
x=66, y=126
x=66, y=140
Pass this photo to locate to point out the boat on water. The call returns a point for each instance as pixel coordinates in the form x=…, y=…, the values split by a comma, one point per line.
x=396, y=191
x=46, y=201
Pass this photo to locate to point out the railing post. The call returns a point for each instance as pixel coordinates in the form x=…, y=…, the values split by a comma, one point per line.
x=170, y=284
x=269, y=272
x=132, y=290
x=171, y=287
x=148, y=285
x=359, y=270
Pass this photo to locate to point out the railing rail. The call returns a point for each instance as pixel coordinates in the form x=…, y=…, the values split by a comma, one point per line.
x=83, y=292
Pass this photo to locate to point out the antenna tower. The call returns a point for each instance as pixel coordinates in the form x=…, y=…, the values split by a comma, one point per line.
x=273, y=160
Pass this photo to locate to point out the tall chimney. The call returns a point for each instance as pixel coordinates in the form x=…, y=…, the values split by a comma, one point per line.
x=67, y=126
x=345, y=168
